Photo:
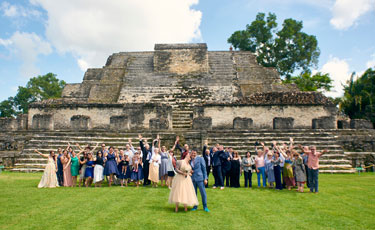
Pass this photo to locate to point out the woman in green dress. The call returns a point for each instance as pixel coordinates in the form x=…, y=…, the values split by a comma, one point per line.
x=75, y=167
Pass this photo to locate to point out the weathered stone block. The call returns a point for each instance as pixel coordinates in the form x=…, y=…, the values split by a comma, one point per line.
x=7, y=123
x=80, y=122
x=361, y=124
x=22, y=121
x=324, y=123
x=202, y=123
x=119, y=122
x=283, y=123
x=159, y=123
x=343, y=124
x=181, y=58
x=242, y=123
x=42, y=122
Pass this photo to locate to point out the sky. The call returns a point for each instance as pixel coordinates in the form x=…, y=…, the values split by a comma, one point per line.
x=67, y=37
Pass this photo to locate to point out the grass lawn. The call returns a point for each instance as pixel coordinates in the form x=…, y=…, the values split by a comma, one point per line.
x=344, y=202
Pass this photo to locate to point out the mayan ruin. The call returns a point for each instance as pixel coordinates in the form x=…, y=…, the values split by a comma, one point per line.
x=184, y=89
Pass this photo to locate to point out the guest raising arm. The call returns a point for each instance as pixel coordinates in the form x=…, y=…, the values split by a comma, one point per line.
x=313, y=164
x=154, y=164
x=147, y=154
x=185, y=150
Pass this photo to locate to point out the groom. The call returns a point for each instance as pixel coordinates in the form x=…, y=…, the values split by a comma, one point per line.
x=199, y=178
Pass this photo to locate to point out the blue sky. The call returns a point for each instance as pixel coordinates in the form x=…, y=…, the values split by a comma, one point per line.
x=67, y=37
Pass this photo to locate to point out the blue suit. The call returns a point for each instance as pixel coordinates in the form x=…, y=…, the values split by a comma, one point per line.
x=199, y=176
x=216, y=162
x=59, y=173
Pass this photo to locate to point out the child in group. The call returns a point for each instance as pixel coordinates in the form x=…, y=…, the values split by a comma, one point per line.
x=299, y=170
x=135, y=162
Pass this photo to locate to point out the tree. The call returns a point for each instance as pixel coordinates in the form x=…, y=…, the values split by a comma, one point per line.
x=359, y=96
x=37, y=89
x=7, y=108
x=45, y=87
x=287, y=50
x=308, y=82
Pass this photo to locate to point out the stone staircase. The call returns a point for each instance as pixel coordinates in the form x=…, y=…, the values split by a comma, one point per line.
x=182, y=119
x=332, y=162
x=221, y=64
x=29, y=161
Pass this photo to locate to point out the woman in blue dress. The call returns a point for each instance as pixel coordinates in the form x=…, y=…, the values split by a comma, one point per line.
x=269, y=169
x=89, y=172
x=137, y=175
x=110, y=168
x=121, y=167
x=128, y=169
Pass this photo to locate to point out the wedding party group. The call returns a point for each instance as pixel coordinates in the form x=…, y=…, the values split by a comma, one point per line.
x=276, y=167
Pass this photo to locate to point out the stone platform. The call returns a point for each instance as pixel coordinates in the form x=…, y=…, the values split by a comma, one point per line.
x=335, y=161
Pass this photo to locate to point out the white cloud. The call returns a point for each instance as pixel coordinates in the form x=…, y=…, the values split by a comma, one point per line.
x=347, y=12
x=8, y=10
x=339, y=72
x=27, y=47
x=371, y=63
x=5, y=42
x=14, y=11
x=93, y=29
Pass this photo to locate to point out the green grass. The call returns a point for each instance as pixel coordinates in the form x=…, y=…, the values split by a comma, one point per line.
x=344, y=202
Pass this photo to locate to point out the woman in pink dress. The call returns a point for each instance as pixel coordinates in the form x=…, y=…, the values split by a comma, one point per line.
x=65, y=160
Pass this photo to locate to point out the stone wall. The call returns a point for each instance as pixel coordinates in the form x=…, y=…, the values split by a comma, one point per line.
x=263, y=116
x=11, y=146
x=87, y=116
x=357, y=140
x=12, y=124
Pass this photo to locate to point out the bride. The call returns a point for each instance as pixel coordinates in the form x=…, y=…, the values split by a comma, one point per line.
x=49, y=178
x=182, y=191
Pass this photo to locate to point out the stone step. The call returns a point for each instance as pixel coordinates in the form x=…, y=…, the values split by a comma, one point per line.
x=182, y=115
x=30, y=165
x=182, y=122
x=181, y=119
x=335, y=166
x=40, y=160
x=337, y=171
x=333, y=156
x=364, y=153
x=323, y=161
x=179, y=126
x=27, y=170
x=85, y=138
